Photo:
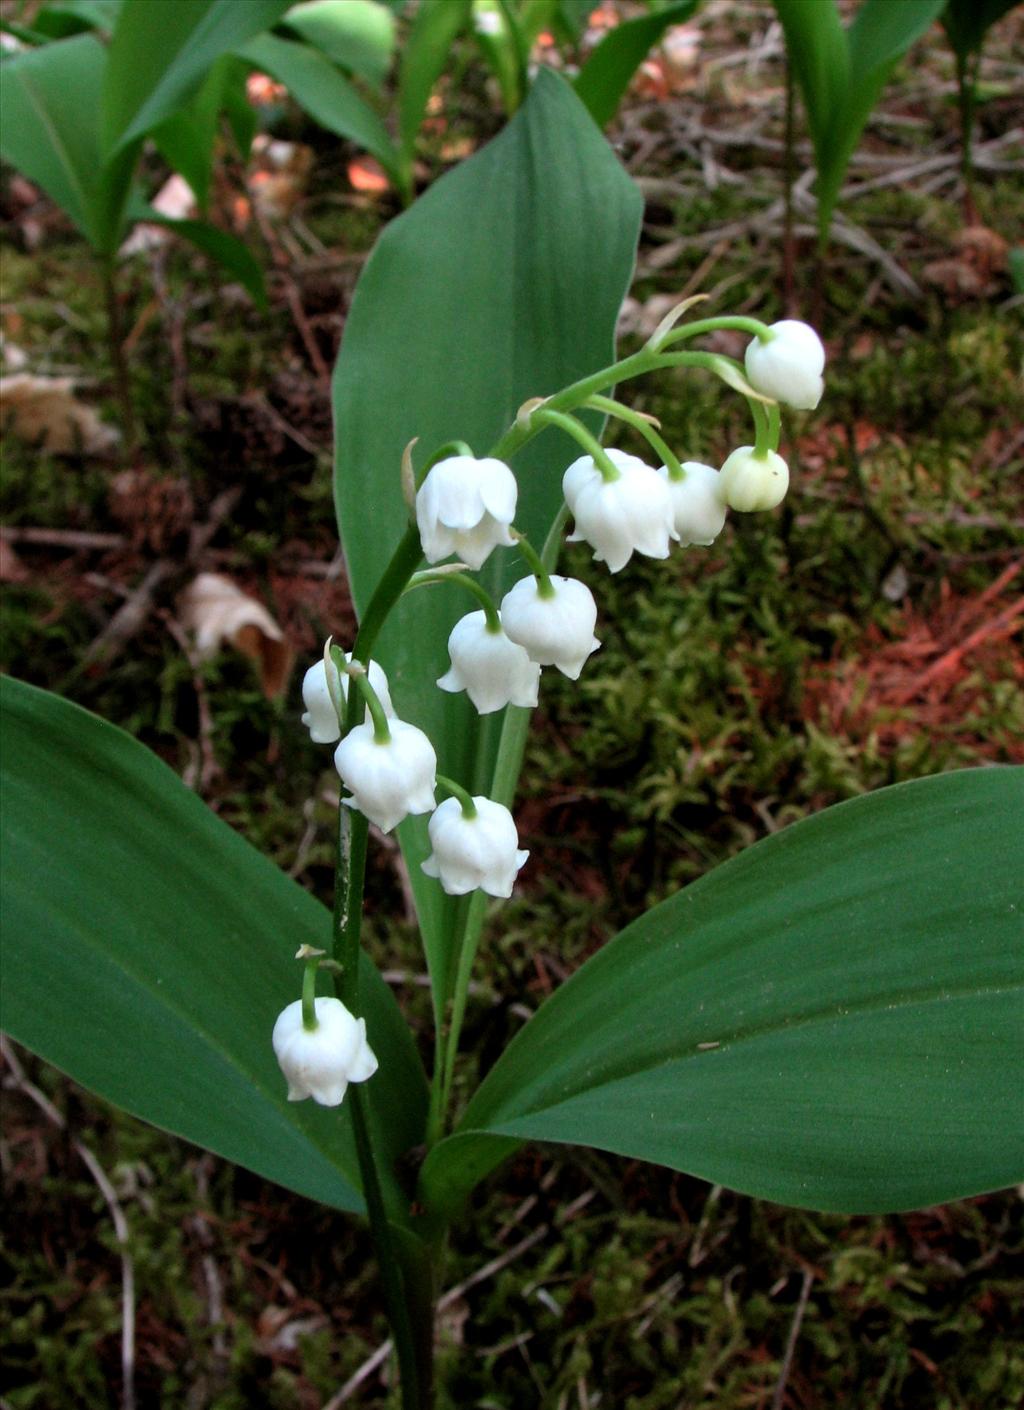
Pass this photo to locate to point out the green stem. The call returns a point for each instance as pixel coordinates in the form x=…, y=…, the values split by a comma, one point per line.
x=404, y=562
x=457, y=791
x=350, y=872
x=381, y=731
x=736, y=322
x=545, y=587
x=762, y=428
x=544, y=416
x=115, y=342
x=309, y=1019
x=465, y=581
x=467, y=930
x=640, y=423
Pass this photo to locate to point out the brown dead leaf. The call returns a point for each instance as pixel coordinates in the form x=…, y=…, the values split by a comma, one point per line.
x=45, y=412
x=976, y=269
x=218, y=611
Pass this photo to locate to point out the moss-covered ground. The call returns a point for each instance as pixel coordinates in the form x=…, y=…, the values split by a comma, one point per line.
x=862, y=635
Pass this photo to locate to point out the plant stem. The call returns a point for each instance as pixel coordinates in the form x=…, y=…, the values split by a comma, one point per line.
x=640, y=423
x=789, y=145
x=350, y=872
x=115, y=342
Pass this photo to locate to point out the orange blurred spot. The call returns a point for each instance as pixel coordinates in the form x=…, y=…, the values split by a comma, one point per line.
x=261, y=89
x=368, y=175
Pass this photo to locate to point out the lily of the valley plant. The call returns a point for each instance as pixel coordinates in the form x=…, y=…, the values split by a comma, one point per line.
x=829, y=1020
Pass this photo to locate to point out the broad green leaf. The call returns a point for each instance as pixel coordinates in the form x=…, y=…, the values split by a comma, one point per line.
x=606, y=74
x=60, y=18
x=357, y=34
x=160, y=53
x=148, y=950
x=186, y=139
x=501, y=283
x=966, y=22
x=325, y=93
x=504, y=48
x=426, y=51
x=842, y=72
x=834, y=1019
x=229, y=252
x=49, y=105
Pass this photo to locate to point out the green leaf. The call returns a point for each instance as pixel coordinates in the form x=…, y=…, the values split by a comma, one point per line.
x=229, y=252
x=325, y=93
x=186, y=139
x=49, y=104
x=357, y=34
x=966, y=22
x=148, y=950
x=501, y=283
x=606, y=74
x=60, y=18
x=160, y=54
x=841, y=74
x=833, y=1019
x=426, y=52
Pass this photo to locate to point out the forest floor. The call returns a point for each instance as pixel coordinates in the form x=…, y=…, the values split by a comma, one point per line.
x=865, y=634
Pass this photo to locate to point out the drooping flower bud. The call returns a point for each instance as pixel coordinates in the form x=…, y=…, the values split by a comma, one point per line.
x=481, y=851
x=788, y=365
x=320, y=716
x=618, y=518
x=697, y=505
x=465, y=506
x=491, y=669
x=556, y=630
x=388, y=778
x=750, y=481
x=322, y=1061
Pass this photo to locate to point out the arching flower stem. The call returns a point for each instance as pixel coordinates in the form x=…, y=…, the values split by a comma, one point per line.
x=640, y=423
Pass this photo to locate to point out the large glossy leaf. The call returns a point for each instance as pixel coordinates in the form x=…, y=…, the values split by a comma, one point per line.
x=834, y=1019
x=501, y=283
x=358, y=34
x=49, y=106
x=606, y=74
x=148, y=949
x=160, y=53
x=324, y=91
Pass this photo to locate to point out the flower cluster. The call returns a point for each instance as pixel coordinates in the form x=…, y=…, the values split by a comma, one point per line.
x=466, y=507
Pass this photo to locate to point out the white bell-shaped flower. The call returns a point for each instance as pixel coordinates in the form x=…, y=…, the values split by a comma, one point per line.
x=320, y=717
x=698, y=509
x=618, y=518
x=491, y=669
x=388, y=779
x=750, y=481
x=481, y=851
x=465, y=506
x=554, y=631
x=788, y=365
x=322, y=1061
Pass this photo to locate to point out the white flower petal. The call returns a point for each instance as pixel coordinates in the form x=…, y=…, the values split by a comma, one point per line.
x=482, y=851
x=321, y=1063
x=788, y=365
x=388, y=781
x=751, y=482
x=698, y=509
x=465, y=506
x=554, y=631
